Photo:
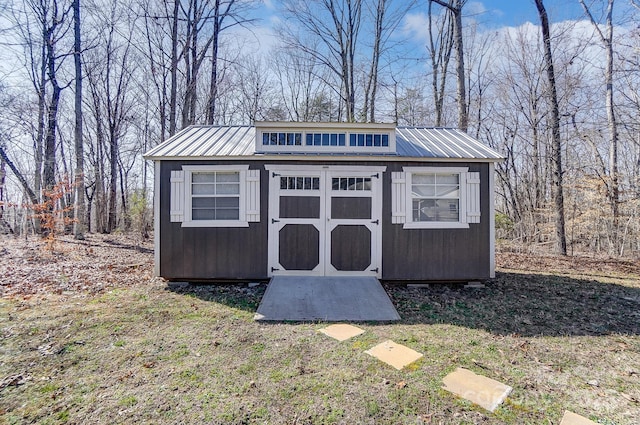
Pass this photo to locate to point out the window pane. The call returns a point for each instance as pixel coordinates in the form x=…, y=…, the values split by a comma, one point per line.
x=376, y=140
x=447, y=192
x=420, y=191
x=309, y=139
x=334, y=139
x=203, y=203
x=447, y=178
x=228, y=202
x=203, y=189
x=230, y=214
x=316, y=183
x=317, y=139
x=446, y=210
x=274, y=138
x=307, y=183
x=298, y=139
x=203, y=214
x=227, y=177
x=203, y=177
x=360, y=139
x=325, y=139
x=341, y=139
x=385, y=140
x=352, y=140
x=283, y=182
x=265, y=138
x=228, y=189
x=423, y=178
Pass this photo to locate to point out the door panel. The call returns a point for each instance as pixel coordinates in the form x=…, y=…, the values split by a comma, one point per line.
x=351, y=248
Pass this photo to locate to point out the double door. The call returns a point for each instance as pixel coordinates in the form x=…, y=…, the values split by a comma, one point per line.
x=325, y=220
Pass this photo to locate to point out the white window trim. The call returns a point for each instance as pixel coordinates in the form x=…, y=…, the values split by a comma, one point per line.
x=189, y=170
x=462, y=209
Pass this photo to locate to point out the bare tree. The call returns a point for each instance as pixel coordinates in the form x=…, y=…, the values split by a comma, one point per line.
x=79, y=226
x=455, y=7
x=613, y=188
x=561, y=239
x=440, y=47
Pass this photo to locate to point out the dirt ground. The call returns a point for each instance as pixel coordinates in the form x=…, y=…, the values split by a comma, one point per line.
x=88, y=335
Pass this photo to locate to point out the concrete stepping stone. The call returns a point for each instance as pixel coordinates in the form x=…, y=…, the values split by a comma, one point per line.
x=571, y=418
x=394, y=354
x=485, y=392
x=342, y=331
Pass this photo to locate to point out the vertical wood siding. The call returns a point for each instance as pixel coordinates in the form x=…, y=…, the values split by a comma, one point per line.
x=407, y=254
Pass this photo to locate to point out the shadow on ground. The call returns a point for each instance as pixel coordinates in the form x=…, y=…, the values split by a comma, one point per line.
x=511, y=304
x=526, y=305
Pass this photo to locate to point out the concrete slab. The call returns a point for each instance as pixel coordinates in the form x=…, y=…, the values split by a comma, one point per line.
x=342, y=331
x=483, y=391
x=330, y=299
x=394, y=354
x=571, y=418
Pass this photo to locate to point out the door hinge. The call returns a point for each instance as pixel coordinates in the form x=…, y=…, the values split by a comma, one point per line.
x=376, y=221
x=273, y=220
x=273, y=269
x=376, y=175
x=374, y=270
x=275, y=175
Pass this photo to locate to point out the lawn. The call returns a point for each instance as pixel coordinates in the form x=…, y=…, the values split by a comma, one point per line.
x=88, y=336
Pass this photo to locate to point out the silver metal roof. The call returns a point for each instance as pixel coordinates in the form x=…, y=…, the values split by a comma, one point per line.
x=208, y=142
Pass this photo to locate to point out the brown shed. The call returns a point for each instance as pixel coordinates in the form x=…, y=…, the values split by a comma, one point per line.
x=323, y=199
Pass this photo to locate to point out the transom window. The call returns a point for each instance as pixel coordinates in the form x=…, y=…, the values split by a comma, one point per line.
x=351, y=183
x=282, y=139
x=368, y=139
x=299, y=183
x=215, y=195
x=435, y=197
x=325, y=139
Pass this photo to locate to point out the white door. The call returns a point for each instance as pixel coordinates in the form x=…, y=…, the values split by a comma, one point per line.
x=325, y=220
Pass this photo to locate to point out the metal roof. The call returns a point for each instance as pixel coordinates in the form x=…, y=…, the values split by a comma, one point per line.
x=209, y=142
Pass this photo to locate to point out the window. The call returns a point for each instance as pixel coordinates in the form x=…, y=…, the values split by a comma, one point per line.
x=351, y=183
x=281, y=139
x=299, y=183
x=215, y=196
x=435, y=197
x=368, y=139
x=325, y=139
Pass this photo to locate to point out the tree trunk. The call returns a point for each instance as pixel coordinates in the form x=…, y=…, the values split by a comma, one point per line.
x=561, y=240
x=79, y=225
x=213, y=84
x=173, y=94
x=613, y=184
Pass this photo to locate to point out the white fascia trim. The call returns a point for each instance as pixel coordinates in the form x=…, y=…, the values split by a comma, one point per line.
x=156, y=218
x=300, y=167
x=322, y=158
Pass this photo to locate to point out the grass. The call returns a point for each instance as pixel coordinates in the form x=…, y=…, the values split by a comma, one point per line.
x=166, y=353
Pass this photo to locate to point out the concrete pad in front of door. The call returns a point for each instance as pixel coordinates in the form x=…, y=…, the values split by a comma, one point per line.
x=326, y=298
x=478, y=389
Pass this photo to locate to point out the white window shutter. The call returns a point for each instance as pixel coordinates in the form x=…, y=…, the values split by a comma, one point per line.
x=473, y=197
x=398, y=197
x=177, y=196
x=253, y=195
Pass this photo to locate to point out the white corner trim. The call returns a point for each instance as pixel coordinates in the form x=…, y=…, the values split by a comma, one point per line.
x=492, y=222
x=156, y=218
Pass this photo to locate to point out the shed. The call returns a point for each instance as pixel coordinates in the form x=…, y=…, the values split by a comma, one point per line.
x=323, y=199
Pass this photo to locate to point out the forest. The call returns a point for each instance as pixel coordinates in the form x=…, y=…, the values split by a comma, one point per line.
x=87, y=86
